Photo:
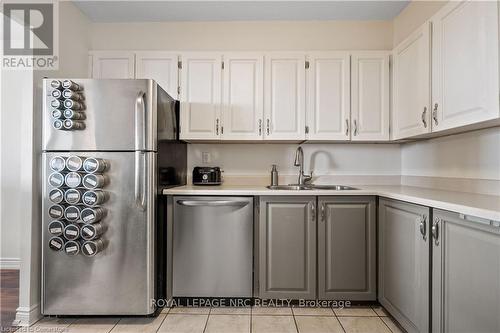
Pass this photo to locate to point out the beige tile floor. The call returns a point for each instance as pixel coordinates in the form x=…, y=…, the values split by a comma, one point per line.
x=371, y=319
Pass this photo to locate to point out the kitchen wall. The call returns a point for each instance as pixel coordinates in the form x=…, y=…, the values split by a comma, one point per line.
x=468, y=161
x=328, y=161
x=296, y=35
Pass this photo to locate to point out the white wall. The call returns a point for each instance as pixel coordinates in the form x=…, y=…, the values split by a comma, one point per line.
x=474, y=155
x=323, y=159
x=314, y=35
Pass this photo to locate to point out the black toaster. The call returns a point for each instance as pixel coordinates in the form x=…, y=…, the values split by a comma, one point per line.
x=207, y=176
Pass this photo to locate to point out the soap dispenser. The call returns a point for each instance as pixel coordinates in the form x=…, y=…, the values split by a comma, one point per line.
x=274, y=176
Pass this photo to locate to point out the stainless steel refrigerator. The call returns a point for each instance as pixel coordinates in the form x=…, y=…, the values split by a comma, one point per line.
x=102, y=251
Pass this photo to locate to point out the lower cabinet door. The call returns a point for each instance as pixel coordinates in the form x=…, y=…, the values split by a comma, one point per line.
x=287, y=249
x=466, y=274
x=346, y=248
x=404, y=263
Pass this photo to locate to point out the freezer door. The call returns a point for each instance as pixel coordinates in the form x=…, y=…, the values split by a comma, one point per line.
x=118, y=115
x=120, y=279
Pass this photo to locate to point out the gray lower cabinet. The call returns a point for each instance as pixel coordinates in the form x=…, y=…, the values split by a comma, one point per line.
x=404, y=263
x=466, y=273
x=287, y=249
x=347, y=248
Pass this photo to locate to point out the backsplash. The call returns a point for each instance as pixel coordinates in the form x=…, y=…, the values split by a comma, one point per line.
x=252, y=162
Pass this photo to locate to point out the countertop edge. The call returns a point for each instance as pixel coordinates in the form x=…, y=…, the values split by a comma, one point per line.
x=385, y=193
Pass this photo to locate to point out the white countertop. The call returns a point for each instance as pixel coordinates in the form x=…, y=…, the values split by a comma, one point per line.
x=483, y=206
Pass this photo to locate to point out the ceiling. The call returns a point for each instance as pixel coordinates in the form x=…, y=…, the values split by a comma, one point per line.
x=159, y=11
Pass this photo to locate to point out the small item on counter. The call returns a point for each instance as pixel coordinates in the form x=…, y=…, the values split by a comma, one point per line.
x=274, y=176
x=207, y=176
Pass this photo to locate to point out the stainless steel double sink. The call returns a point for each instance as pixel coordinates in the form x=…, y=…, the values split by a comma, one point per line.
x=297, y=187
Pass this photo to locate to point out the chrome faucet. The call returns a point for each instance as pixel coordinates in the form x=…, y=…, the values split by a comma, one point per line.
x=299, y=161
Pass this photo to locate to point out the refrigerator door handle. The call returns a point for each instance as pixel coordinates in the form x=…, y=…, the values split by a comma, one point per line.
x=140, y=179
x=140, y=120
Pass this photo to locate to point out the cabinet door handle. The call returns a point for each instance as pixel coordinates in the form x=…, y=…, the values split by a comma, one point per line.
x=355, y=132
x=268, y=128
x=424, y=117
x=423, y=227
x=435, y=114
x=313, y=212
x=217, y=126
x=323, y=216
x=260, y=126
x=347, y=127
x=435, y=231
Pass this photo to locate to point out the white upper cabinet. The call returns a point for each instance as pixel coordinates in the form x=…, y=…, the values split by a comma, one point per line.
x=242, y=97
x=200, y=96
x=370, y=96
x=328, y=112
x=411, y=85
x=159, y=66
x=112, y=65
x=284, y=87
x=465, y=64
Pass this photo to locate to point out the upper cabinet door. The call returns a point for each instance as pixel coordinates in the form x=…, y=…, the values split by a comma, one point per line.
x=243, y=100
x=112, y=65
x=161, y=67
x=370, y=96
x=465, y=64
x=284, y=96
x=200, y=96
x=329, y=105
x=411, y=85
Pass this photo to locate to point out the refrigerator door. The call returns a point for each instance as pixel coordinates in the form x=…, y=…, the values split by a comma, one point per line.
x=119, y=115
x=120, y=279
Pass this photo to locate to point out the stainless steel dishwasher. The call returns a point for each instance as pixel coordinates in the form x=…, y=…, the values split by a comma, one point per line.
x=212, y=250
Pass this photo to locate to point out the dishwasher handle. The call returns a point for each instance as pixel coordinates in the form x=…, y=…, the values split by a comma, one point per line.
x=212, y=203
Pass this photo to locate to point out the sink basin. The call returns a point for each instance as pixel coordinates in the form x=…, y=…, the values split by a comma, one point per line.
x=290, y=187
x=332, y=187
x=296, y=187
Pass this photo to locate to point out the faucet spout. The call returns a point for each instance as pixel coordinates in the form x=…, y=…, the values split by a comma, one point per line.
x=299, y=161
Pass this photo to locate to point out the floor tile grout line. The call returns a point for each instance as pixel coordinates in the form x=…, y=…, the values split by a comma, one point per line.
x=166, y=314
x=208, y=318
x=390, y=330
x=342, y=326
x=112, y=328
x=295, y=321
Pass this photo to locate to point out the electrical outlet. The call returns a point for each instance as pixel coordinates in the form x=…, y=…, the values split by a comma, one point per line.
x=205, y=157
